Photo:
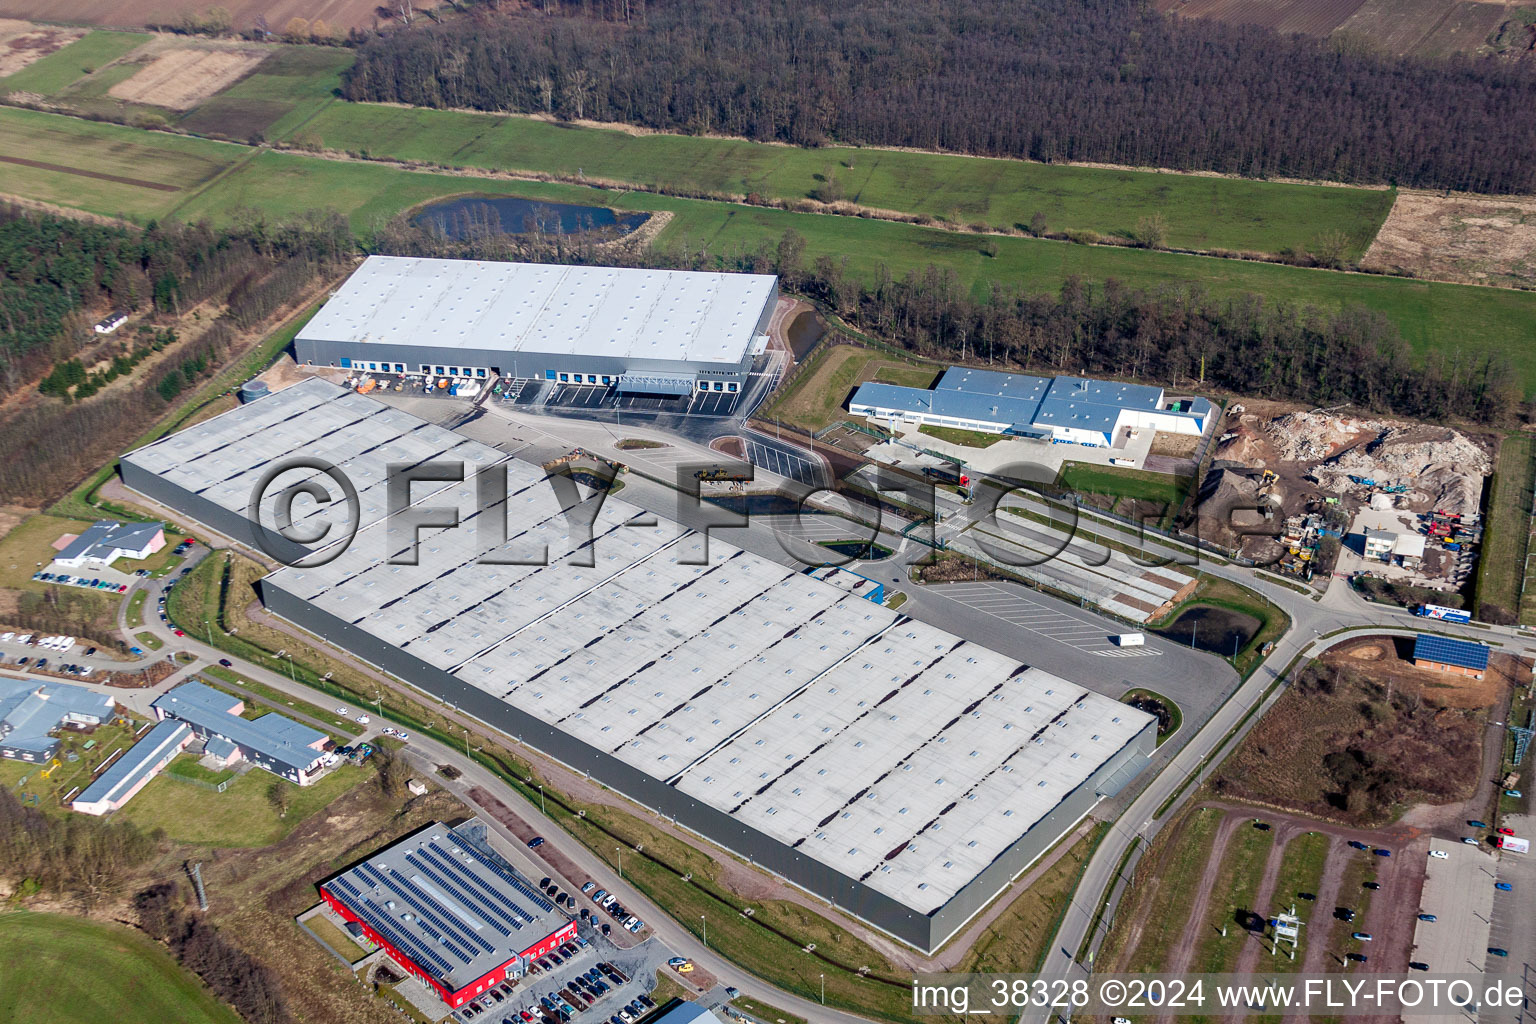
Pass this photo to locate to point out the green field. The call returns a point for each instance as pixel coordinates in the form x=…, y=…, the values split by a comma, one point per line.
x=1200, y=212
x=1087, y=478
x=284, y=91
x=960, y=436
x=60, y=969
x=242, y=815
x=155, y=169
x=1457, y=318
x=57, y=71
x=1462, y=320
x=1502, y=568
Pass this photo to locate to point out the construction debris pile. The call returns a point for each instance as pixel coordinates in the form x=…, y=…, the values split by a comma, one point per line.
x=1432, y=467
x=1293, y=463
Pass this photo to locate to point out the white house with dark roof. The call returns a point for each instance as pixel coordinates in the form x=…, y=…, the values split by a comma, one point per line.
x=106, y=540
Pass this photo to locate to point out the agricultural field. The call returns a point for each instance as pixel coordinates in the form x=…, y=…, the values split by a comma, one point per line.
x=69, y=970
x=334, y=15
x=181, y=77
x=1312, y=17
x=104, y=168
x=1455, y=319
x=1420, y=28
x=53, y=72
x=282, y=93
x=1201, y=212
x=1478, y=239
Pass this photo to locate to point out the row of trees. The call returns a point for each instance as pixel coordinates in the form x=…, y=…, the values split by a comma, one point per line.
x=57, y=274
x=1053, y=80
x=235, y=976
x=1177, y=334
x=256, y=267
x=76, y=857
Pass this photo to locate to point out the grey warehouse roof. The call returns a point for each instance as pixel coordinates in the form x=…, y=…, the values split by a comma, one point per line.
x=890, y=750
x=451, y=905
x=274, y=735
x=30, y=710
x=222, y=459
x=545, y=308
x=127, y=770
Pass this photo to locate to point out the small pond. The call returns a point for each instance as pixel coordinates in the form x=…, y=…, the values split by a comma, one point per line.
x=471, y=216
x=1217, y=630
x=804, y=332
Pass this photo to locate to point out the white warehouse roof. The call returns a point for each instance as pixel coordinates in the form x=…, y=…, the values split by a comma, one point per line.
x=545, y=308
x=888, y=749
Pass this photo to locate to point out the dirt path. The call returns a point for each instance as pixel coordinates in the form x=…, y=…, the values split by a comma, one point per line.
x=1194, y=928
x=1316, y=958
x=1264, y=895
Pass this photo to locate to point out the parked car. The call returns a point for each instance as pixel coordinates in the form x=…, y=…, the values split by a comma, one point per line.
x=1498, y=951
x=1358, y=958
x=1356, y=844
x=1439, y=854
x=535, y=842
x=1382, y=853
x=589, y=886
x=1474, y=823
x=1428, y=917
x=1505, y=831
x=1372, y=885
x=1503, y=887
x=1469, y=840
x=1361, y=936
x=1514, y=793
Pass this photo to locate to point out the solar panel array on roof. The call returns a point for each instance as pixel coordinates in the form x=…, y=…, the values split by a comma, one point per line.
x=445, y=903
x=1449, y=651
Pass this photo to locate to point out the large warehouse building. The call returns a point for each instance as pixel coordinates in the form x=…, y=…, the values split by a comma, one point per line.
x=893, y=768
x=447, y=908
x=666, y=332
x=1074, y=410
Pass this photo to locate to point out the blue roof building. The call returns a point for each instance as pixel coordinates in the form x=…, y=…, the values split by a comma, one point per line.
x=30, y=711
x=1446, y=654
x=1075, y=410
x=273, y=741
x=130, y=773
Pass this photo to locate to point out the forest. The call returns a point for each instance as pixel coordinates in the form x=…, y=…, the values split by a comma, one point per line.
x=1107, y=81
x=55, y=277
x=1176, y=335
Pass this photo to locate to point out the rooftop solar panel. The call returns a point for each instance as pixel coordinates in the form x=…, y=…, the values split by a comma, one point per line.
x=1450, y=651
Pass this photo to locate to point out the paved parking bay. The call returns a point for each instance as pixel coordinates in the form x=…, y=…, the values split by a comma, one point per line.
x=1458, y=891
x=638, y=966
x=1012, y=603
x=785, y=459
x=1512, y=926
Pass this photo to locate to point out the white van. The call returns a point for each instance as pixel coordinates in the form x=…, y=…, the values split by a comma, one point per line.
x=1131, y=639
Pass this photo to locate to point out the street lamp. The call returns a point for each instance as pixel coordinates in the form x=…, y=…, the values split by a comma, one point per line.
x=620, y=852
x=823, y=990
x=209, y=628
x=541, y=803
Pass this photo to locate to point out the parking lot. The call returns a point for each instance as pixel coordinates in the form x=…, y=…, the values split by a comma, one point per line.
x=1459, y=895
x=1012, y=603
x=785, y=459
x=593, y=980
